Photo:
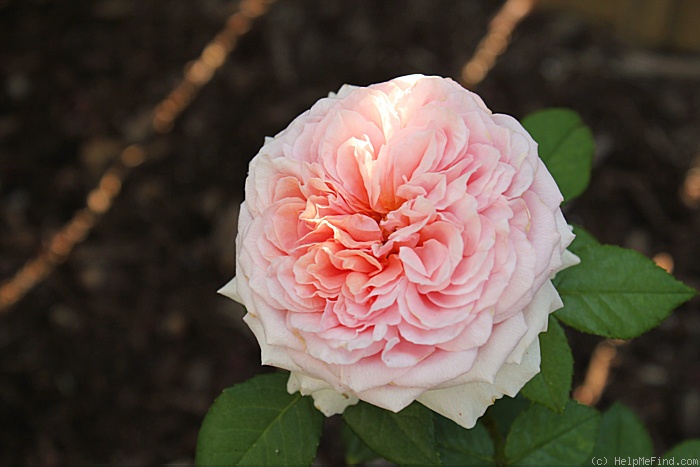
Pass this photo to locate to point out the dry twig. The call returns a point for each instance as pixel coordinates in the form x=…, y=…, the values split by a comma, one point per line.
x=197, y=74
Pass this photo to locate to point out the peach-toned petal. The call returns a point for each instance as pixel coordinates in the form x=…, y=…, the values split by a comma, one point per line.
x=474, y=335
x=399, y=353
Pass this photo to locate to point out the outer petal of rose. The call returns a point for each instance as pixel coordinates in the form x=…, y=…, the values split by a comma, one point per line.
x=244, y=260
x=466, y=403
x=230, y=290
x=492, y=356
x=328, y=401
x=274, y=323
x=475, y=334
x=543, y=234
x=270, y=354
x=370, y=374
x=568, y=259
x=394, y=398
x=344, y=90
x=264, y=171
x=523, y=154
x=567, y=236
x=239, y=289
x=462, y=404
x=440, y=367
x=546, y=299
x=305, y=384
x=513, y=376
x=331, y=402
x=536, y=314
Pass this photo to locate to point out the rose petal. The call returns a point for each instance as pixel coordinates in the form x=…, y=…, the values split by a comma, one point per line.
x=465, y=403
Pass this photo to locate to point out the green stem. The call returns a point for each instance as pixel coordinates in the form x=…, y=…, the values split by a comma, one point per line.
x=499, y=444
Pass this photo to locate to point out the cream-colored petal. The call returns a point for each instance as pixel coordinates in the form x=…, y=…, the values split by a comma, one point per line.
x=230, y=290
x=305, y=384
x=536, y=314
x=566, y=232
x=270, y=354
x=568, y=259
x=493, y=355
x=466, y=403
x=462, y=404
x=326, y=400
x=392, y=398
x=514, y=376
x=330, y=402
x=344, y=90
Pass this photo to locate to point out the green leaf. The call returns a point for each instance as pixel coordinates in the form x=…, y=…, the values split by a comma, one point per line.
x=259, y=423
x=407, y=437
x=504, y=412
x=622, y=434
x=552, y=385
x=582, y=240
x=459, y=446
x=617, y=293
x=356, y=452
x=689, y=449
x=542, y=437
x=565, y=146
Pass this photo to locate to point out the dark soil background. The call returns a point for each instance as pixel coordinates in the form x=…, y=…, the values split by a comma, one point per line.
x=117, y=356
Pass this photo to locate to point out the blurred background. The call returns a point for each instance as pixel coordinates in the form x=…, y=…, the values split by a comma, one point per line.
x=117, y=355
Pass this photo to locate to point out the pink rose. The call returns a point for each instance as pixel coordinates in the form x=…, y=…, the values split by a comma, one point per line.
x=396, y=243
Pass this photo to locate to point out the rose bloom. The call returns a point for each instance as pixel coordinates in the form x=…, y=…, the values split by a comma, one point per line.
x=396, y=243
